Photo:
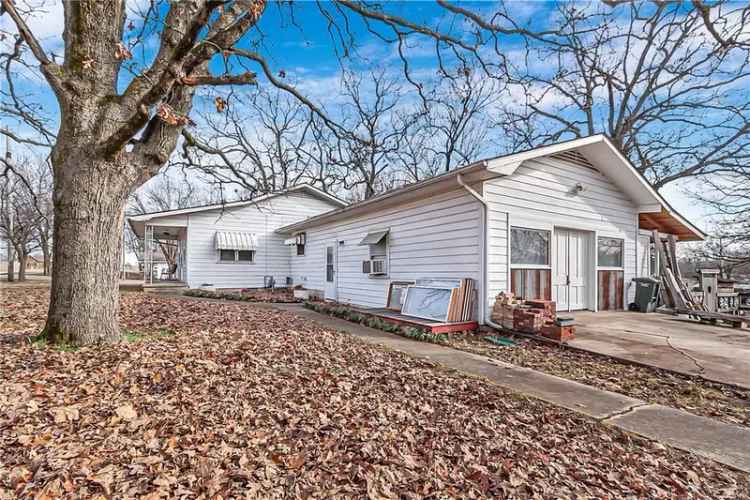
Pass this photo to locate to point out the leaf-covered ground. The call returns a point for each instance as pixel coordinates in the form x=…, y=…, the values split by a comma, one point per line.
x=236, y=400
x=691, y=394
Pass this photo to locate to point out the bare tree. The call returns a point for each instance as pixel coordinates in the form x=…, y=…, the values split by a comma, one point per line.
x=255, y=145
x=42, y=185
x=723, y=250
x=110, y=141
x=729, y=242
x=19, y=214
x=663, y=80
x=371, y=111
x=456, y=118
x=170, y=190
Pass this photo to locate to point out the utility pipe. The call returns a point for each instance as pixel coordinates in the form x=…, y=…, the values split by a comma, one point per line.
x=483, y=254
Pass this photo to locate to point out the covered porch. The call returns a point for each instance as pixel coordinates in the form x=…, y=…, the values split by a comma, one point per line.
x=162, y=254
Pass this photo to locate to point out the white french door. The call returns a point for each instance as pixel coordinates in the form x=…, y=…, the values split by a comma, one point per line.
x=570, y=271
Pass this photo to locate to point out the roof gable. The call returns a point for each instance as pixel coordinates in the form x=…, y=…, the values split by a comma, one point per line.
x=598, y=152
x=602, y=155
x=306, y=188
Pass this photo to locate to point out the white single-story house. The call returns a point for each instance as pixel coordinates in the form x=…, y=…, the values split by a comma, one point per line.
x=570, y=222
x=230, y=245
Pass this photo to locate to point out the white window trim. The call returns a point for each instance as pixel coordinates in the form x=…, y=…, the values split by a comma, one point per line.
x=236, y=257
x=622, y=253
x=303, y=236
x=511, y=265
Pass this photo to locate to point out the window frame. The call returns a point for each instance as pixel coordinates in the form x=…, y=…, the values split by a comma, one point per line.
x=513, y=265
x=301, y=239
x=222, y=251
x=250, y=260
x=236, y=259
x=622, y=253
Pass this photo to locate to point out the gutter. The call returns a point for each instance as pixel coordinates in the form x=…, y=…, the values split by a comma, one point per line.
x=483, y=254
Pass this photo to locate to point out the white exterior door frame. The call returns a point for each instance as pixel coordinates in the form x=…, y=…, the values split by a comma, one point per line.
x=573, y=269
x=330, y=269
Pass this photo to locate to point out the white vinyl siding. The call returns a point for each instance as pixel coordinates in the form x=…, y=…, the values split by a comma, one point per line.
x=271, y=258
x=541, y=195
x=428, y=238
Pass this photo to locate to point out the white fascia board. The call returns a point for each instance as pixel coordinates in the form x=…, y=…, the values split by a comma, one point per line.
x=302, y=187
x=649, y=209
x=317, y=192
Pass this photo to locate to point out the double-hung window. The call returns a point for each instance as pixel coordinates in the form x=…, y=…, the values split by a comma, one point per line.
x=377, y=242
x=300, y=241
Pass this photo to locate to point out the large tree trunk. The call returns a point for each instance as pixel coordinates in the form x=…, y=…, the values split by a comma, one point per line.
x=11, y=266
x=46, y=257
x=22, y=260
x=89, y=200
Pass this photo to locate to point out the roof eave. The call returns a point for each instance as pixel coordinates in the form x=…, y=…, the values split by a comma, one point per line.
x=385, y=197
x=216, y=206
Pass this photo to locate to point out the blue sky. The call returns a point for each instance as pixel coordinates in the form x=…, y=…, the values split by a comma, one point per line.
x=308, y=55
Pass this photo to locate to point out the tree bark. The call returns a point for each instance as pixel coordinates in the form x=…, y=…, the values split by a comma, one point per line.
x=11, y=268
x=89, y=199
x=46, y=258
x=22, y=260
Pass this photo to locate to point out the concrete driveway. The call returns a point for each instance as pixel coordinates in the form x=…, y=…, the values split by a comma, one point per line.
x=672, y=342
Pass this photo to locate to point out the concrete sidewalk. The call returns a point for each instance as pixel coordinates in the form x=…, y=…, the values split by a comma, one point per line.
x=724, y=443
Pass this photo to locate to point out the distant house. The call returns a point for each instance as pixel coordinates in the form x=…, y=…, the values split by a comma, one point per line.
x=570, y=222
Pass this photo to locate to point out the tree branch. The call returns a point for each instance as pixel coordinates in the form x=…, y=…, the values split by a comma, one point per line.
x=50, y=70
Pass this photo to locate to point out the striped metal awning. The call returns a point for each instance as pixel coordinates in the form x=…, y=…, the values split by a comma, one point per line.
x=374, y=238
x=234, y=240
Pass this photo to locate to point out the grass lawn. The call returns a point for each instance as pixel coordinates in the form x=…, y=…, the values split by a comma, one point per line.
x=231, y=399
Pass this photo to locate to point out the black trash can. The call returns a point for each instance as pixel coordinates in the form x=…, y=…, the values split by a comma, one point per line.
x=646, y=293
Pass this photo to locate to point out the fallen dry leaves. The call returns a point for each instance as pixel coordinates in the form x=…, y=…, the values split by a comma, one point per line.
x=254, y=402
x=691, y=394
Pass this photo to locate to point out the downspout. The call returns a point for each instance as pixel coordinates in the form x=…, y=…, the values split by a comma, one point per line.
x=483, y=254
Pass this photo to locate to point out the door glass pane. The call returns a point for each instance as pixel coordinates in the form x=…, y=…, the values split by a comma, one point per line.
x=329, y=264
x=610, y=252
x=529, y=246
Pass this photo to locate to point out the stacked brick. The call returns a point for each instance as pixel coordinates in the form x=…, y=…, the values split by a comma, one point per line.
x=538, y=317
x=527, y=320
x=502, y=311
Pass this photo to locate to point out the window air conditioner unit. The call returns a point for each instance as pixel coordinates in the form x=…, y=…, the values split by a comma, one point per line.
x=376, y=266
